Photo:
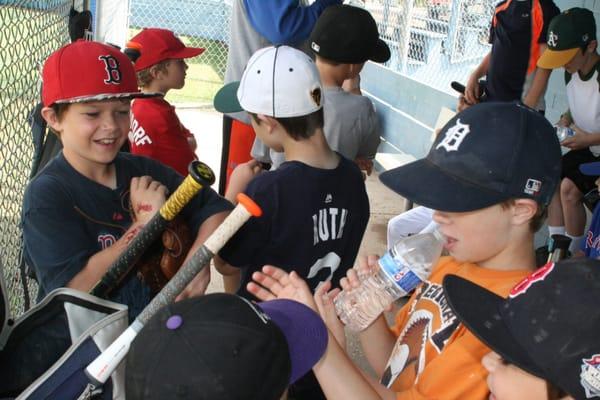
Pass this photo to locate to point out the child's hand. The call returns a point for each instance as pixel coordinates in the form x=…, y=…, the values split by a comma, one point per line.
x=324, y=300
x=580, y=140
x=146, y=196
x=472, y=90
x=565, y=120
x=275, y=283
x=367, y=265
x=462, y=105
x=240, y=177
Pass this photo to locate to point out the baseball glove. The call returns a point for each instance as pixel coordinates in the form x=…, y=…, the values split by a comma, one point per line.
x=164, y=258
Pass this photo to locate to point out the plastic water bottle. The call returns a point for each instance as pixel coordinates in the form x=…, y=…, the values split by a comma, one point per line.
x=401, y=270
x=563, y=132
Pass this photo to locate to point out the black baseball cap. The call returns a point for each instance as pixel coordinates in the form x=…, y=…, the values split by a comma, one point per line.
x=222, y=346
x=487, y=154
x=349, y=35
x=568, y=32
x=548, y=326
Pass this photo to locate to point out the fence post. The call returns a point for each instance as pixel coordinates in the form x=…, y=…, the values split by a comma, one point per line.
x=404, y=24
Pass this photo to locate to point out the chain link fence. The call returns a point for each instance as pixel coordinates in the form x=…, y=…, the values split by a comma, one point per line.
x=434, y=41
x=29, y=32
x=198, y=23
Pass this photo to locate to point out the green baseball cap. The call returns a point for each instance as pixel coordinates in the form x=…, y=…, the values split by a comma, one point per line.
x=568, y=32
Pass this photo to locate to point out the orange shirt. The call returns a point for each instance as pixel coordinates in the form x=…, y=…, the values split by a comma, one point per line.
x=436, y=357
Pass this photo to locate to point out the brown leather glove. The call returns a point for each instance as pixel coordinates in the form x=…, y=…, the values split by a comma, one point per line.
x=164, y=258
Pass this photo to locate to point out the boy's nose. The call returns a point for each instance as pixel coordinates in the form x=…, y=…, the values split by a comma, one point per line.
x=109, y=122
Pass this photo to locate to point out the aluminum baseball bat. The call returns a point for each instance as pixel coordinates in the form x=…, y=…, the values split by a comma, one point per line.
x=103, y=366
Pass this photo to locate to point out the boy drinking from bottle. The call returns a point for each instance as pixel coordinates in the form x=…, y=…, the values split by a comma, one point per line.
x=490, y=175
x=82, y=210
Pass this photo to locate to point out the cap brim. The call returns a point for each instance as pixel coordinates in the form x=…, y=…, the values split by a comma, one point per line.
x=188, y=52
x=592, y=169
x=426, y=184
x=226, y=100
x=381, y=52
x=479, y=310
x=551, y=59
x=304, y=330
x=108, y=96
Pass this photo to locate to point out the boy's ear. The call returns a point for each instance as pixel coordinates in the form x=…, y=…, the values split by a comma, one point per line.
x=524, y=210
x=592, y=46
x=155, y=72
x=51, y=118
x=356, y=68
x=269, y=122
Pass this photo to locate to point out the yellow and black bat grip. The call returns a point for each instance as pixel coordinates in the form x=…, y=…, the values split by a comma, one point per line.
x=200, y=175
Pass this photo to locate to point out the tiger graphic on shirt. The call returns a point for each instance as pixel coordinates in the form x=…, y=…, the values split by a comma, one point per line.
x=431, y=322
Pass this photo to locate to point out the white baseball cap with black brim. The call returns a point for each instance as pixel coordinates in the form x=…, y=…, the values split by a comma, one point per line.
x=280, y=82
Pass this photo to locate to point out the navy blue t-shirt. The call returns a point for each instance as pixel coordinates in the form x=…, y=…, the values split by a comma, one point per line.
x=313, y=222
x=518, y=28
x=67, y=218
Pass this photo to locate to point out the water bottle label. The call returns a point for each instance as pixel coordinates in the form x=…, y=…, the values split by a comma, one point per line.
x=401, y=274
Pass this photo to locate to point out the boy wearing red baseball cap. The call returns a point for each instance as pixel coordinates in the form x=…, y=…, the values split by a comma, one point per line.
x=156, y=131
x=76, y=211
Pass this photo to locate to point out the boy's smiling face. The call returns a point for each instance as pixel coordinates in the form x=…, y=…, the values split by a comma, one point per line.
x=91, y=133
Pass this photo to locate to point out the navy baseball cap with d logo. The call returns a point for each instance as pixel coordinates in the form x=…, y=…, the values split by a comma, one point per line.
x=487, y=154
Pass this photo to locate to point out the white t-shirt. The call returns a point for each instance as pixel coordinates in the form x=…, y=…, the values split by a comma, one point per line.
x=583, y=93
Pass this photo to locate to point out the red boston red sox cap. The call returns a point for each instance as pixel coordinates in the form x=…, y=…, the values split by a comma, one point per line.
x=88, y=71
x=156, y=45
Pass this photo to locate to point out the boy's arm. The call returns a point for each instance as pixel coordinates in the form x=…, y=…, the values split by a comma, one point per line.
x=472, y=87
x=232, y=276
x=339, y=378
x=147, y=196
x=582, y=139
x=240, y=178
x=285, y=21
x=198, y=285
x=538, y=86
x=377, y=342
x=372, y=139
x=337, y=375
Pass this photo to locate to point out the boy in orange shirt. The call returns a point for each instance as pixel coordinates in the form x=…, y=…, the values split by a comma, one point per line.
x=156, y=131
x=490, y=175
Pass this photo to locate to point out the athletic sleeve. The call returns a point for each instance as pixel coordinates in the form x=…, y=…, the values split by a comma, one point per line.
x=242, y=248
x=370, y=124
x=285, y=21
x=55, y=240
